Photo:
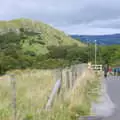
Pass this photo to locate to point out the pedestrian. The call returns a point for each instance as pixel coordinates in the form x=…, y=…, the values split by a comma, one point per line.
x=105, y=70
x=114, y=71
x=110, y=71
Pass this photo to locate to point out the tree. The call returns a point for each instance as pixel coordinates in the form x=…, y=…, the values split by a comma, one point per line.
x=57, y=52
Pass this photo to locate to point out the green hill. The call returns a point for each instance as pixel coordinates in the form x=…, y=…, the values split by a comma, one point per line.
x=32, y=44
x=37, y=36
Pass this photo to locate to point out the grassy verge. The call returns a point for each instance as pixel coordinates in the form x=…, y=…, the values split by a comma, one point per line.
x=33, y=90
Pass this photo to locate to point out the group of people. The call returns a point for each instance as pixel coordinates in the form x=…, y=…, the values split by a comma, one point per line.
x=108, y=70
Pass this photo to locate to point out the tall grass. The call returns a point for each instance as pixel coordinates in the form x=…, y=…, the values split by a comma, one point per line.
x=33, y=90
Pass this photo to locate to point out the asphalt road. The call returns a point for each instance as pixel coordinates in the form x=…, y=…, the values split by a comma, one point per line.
x=112, y=92
x=113, y=89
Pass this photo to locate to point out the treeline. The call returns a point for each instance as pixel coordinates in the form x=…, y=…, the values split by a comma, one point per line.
x=12, y=55
x=111, y=54
x=105, y=54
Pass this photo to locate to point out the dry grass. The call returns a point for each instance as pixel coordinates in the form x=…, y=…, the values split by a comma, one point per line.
x=33, y=89
x=84, y=92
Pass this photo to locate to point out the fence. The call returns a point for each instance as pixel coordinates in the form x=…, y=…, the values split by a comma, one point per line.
x=65, y=80
x=97, y=67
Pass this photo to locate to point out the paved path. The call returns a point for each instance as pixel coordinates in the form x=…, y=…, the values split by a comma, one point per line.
x=112, y=91
x=113, y=88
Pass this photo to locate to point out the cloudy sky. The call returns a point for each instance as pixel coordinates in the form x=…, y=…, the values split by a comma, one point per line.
x=71, y=16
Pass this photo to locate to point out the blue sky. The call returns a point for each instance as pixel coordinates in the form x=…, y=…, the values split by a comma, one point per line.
x=70, y=16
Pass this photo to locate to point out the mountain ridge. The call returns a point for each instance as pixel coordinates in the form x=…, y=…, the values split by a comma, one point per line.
x=109, y=39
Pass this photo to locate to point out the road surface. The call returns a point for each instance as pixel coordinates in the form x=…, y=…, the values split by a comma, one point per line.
x=113, y=88
x=110, y=93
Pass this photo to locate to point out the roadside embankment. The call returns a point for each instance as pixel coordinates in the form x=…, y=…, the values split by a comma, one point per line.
x=79, y=87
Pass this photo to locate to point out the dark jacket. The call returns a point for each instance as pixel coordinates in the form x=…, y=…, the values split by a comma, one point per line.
x=106, y=68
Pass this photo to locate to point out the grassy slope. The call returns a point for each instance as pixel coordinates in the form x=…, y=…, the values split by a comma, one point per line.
x=49, y=35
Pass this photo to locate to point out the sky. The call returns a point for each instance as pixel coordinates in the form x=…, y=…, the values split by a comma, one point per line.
x=71, y=16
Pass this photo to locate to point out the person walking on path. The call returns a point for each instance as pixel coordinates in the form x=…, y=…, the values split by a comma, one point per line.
x=106, y=68
x=110, y=71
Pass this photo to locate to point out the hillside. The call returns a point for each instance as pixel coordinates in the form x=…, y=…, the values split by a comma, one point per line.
x=37, y=35
x=31, y=44
x=101, y=39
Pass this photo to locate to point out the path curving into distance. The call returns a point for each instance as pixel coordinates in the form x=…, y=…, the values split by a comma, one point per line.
x=113, y=90
x=109, y=106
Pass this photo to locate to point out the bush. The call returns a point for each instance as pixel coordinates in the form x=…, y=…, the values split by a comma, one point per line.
x=51, y=64
x=56, y=57
x=57, y=52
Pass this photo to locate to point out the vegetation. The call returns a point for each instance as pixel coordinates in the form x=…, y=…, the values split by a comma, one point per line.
x=30, y=44
x=105, y=54
x=13, y=56
x=33, y=88
x=111, y=54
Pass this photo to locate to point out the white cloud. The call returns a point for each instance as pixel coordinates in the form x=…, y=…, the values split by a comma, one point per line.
x=86, y=30
x=72, y=16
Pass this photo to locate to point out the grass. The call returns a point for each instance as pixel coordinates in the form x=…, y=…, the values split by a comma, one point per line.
x=33, y=90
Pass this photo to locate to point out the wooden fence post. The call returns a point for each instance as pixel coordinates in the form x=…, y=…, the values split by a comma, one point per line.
x=13, y=84
x=61, y=79
x=73, y=76
x=68, y=79
x=53, y=93
x=76, y=74
x=70, y=76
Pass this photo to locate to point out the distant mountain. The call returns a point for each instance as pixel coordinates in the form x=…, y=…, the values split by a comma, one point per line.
x=101, y=39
